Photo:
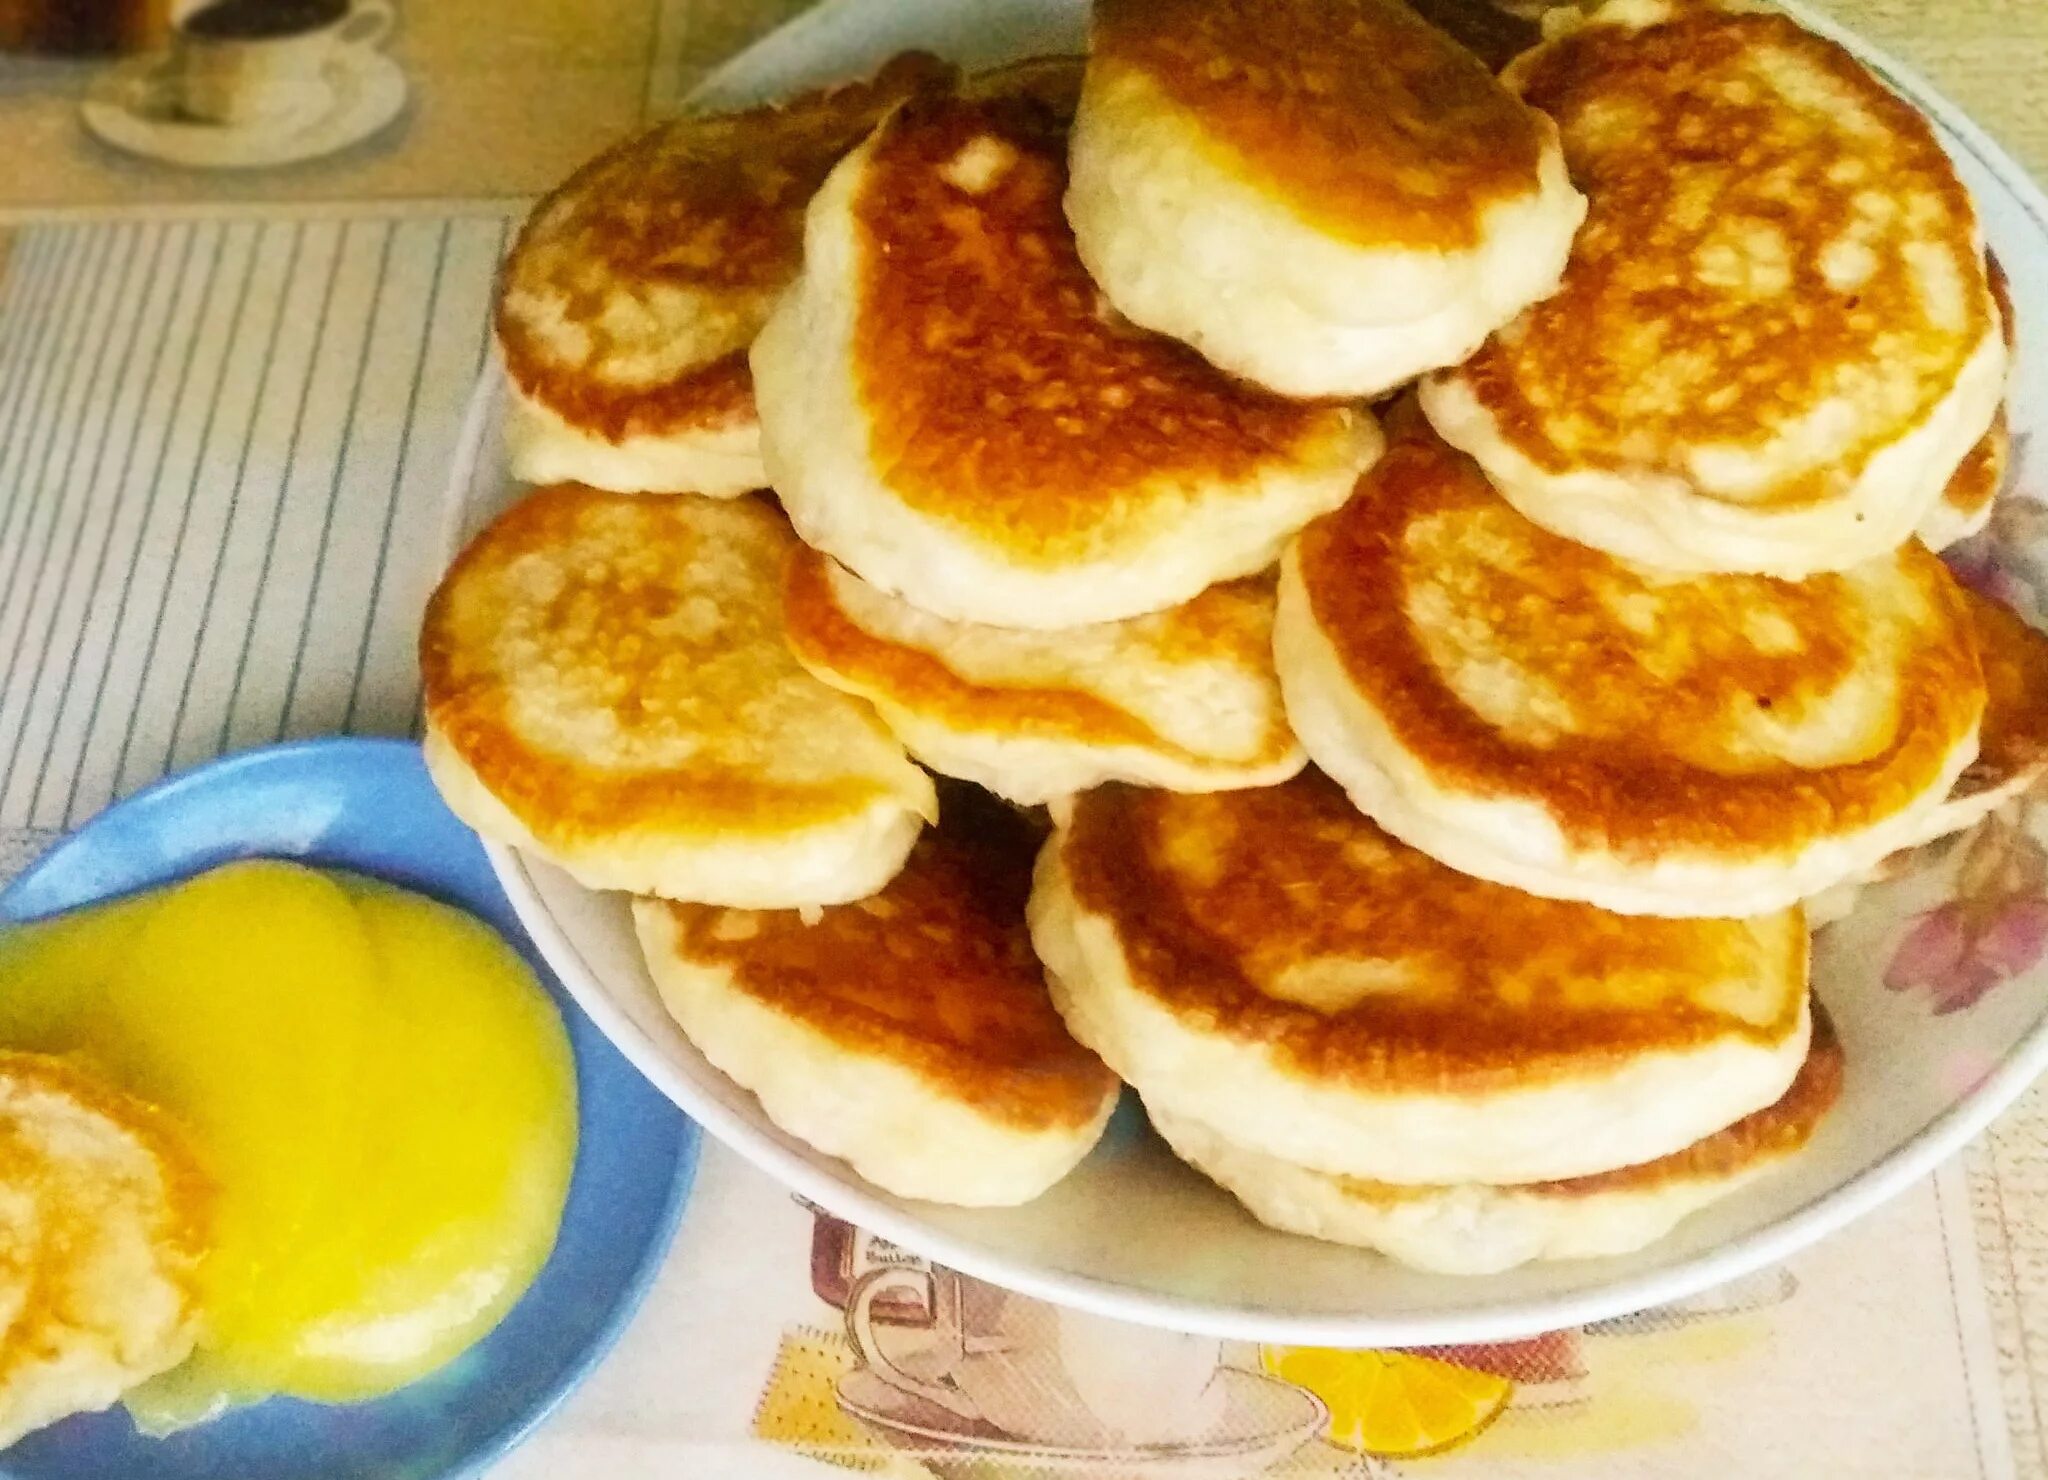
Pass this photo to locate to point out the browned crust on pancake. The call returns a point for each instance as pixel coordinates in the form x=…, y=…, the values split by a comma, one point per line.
x=596, y=624
x=935, y=974
x=1363, y=118
x=1629, y=789
x=1982, y=473
x=2014, y=737
x=1559, y=382
x=1293, y=873
x=1230, y=622
x=709, y=204
x=184, y=1235
x=1004, y=397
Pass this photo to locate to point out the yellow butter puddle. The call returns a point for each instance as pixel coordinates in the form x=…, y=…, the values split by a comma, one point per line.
x=380, y=1088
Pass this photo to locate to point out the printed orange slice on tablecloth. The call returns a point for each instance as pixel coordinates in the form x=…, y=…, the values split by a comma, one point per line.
x=1392, y=1403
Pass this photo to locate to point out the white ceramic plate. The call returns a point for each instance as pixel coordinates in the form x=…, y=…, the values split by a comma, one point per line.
x=1935, y=983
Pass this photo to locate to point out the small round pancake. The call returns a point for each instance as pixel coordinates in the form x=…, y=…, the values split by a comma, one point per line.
x=1549, y=717
x=626, y=307
x=950, y=411
x=103, y=1222
x=911, y=1033
x=1775, y=342
x=1185, y=698
x=1476, y=1229
x=1327, y=197
x=1272, y=965
x=608, y=685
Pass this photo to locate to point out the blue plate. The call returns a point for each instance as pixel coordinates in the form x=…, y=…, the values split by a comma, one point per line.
x=367, y=805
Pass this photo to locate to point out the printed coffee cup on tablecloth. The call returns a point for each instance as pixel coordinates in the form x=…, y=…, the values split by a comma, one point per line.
x=244, y=62
x=1037, y=1372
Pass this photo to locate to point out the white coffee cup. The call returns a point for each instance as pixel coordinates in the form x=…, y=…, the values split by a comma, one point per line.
x=1037, y=1372
x=266, y=71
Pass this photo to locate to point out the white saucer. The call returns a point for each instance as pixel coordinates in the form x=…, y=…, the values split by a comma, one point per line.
x=129, y=106
x=1263, y=1421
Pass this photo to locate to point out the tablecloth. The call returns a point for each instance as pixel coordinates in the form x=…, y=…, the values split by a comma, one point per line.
x=228, y=399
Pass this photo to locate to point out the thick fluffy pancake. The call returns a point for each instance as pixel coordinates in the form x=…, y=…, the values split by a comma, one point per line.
x=1272, y=965
x=1185, y=698
x=103, y=1219
x=626, y=307
x=608, y=685
x=950, y=411
x=1328, y=197
x=910, y=1033
x=1546, y=716
x=1775, y=342
x=1477, y=1229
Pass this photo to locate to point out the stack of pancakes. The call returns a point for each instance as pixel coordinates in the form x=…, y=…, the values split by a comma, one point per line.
x=1077, y=396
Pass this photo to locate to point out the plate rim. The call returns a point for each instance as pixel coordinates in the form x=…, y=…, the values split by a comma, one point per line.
x=1847, y=1201
x=632, y=1292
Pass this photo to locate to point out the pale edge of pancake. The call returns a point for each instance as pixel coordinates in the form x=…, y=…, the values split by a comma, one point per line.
x=1467, y=1229
x=818, y=865
x=1263, y=293
x=719, y=461
x=1954, y=815
x=815, y=445
x=1612, y=1115
x=880, y=1118
x=1516, y=842
x=1943, y=526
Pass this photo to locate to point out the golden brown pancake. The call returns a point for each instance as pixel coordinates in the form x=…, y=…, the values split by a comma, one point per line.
x=1775, y=341
x=104, y=1217
x=1360, y=115
x=1547, y=716
x=626, y=307
x=910, y=1033
x=1475, y=1229
x=1185, y=698
x=1272, y=965
x=1327, y=197
x=607, y=683
x=950, y=412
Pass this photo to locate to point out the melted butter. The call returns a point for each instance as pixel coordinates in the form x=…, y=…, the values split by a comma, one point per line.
x=382, y=1091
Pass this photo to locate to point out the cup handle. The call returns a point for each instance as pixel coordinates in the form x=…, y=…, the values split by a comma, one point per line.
x=367, y=24
x=860, y=1330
